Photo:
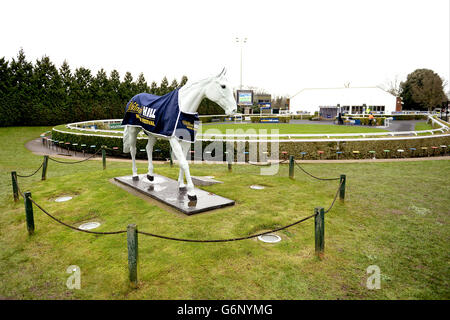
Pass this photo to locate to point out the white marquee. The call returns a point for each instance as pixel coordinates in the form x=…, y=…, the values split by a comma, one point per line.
x=310, y=100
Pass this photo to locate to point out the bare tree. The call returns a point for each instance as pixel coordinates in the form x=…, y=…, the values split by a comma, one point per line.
x=392, y=86
x=257, y=90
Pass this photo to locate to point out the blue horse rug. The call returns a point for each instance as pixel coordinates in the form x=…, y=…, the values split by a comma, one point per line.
x=161, y=115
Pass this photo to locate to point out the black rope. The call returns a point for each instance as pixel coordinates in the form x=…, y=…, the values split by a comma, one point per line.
x=324, y=179
x=59, y=221
x=74, y=228
x=167, y=237
x=266, y=164
x=335, y=197
x=30, y=175
x=225, y=240
x=74, y=162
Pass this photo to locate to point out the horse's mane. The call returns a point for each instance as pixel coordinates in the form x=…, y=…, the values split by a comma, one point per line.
x=191, y=83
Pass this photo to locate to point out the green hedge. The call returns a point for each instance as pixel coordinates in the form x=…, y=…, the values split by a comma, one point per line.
x=301, y=117
x=292, y=148
x=409, y=117
x=209, y=119
x=364, y=147
x=109, y=142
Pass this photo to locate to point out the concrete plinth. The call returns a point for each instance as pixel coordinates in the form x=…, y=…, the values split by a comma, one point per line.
x=166, y=190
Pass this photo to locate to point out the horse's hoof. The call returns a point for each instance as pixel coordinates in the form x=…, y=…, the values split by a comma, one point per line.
x=150, y=178
x=135, y=178
x=192, y=198
x=182, y=189
x=192, y=203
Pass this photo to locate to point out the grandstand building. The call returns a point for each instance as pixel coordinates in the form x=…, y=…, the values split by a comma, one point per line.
x=328, y=102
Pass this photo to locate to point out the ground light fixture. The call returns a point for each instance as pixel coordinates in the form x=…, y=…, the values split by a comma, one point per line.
x=89, y=225
x=63, y=199
x=256, y=187
x=269, y=238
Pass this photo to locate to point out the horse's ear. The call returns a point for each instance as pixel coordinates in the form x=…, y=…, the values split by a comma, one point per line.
x=222, y=73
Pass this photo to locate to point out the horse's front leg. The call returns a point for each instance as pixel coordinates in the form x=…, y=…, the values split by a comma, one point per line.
x=185, y=147
x=181, y=184
x=149, y=149
x=133, y=160
x=178, y=152
x=130, y=137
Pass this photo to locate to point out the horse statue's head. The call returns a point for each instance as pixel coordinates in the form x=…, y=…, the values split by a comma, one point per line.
x=219, y=91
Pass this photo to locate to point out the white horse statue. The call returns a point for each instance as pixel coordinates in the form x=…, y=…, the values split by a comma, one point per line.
x=173, y=117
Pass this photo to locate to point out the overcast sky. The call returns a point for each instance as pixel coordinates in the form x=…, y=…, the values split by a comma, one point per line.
x=291, y=44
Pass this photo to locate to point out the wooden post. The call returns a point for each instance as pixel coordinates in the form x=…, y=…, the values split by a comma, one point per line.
x=227, y=155
x=104, y=158
x=342, y=188
x=132, y=243
x=319, y=227
x=14, y=185
x=291, y=167
x=29, y=213
x=44, y=168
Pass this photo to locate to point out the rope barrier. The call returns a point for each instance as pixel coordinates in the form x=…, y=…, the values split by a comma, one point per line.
x=30, y=175
x=74, y=162
x=168, y=237
x=324, y=179
x=178, y=239
x=226, y=240
x=335, y=197
x=132, y=230
x=71, y=227
x=265, y=164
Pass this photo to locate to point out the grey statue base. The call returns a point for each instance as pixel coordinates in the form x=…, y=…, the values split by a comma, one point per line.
x=204, y=181
x=166, y=190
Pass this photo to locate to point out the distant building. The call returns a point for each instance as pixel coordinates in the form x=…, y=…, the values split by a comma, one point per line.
x=357, y=100
x=262, y=98
x=264, y=102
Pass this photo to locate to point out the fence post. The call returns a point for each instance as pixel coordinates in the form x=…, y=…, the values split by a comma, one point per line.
x=319, y=227
x=291, y=167
x=342, y=188
x=132, y=243
x=14, y=185
x=104, y=157
x=29, y=213
x=44, y=168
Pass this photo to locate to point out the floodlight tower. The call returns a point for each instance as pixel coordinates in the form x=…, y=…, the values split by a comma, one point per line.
x=241, y=41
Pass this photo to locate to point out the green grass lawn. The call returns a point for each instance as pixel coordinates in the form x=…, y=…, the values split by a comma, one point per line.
x=395, y=216
x=422, y=126
x=285, y=128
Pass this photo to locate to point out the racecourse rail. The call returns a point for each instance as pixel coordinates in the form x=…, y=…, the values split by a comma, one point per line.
x=132, y=230
x=443, y=127
x=84, y=136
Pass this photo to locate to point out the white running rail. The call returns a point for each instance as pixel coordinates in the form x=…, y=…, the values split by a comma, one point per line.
x=288, y=137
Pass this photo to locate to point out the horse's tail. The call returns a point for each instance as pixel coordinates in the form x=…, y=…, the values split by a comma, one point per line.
x=126, y=140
